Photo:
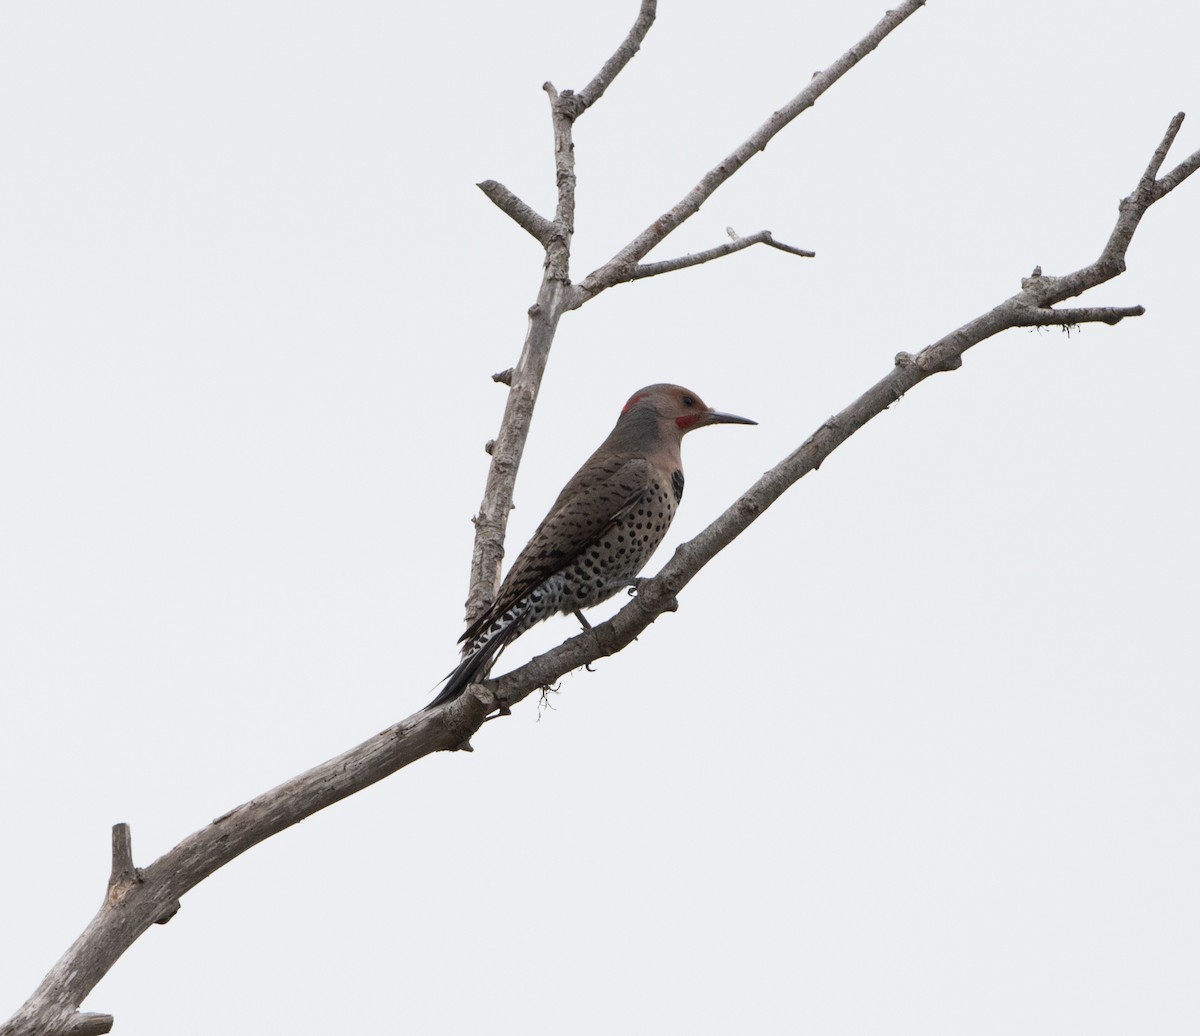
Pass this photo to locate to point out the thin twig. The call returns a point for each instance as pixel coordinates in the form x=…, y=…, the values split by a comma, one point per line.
x=521, y=213
x=1043, y=291
x=617, y=268
x=1160, y=152
x=632, y=43
x=1034, y=316
x=763, y=237
x=1180, y=173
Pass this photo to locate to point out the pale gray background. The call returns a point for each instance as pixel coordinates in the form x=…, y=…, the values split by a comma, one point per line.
x=917, y=754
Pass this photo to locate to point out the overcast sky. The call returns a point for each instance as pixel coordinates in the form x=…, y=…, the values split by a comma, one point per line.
x=917, y=754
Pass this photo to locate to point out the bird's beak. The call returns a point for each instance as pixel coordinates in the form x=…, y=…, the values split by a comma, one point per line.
x=716, y=417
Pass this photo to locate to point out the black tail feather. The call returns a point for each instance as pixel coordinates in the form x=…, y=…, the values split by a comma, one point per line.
x=473, y=667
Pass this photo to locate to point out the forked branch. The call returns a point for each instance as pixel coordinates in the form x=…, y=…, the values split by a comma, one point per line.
x=763, y=237
x=557, y=295
x=525, y=381
x=619, y=267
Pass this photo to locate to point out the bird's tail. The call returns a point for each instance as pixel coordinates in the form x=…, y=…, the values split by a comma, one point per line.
x=475, y=665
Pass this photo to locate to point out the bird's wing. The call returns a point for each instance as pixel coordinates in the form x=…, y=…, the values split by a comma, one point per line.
x=599, y=495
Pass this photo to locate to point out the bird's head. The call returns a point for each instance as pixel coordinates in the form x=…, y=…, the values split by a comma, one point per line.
x=677, y=410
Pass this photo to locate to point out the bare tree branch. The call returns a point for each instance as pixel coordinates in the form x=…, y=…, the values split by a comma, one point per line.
x=632, y=43
x=1031, y=316
x=573, y=105
x=1180, y=173
x=153, y=893
x=525, y=379
x=524, y=216
x=763, y=237
x=616, y=270
x=1043, y=292
x=124, y=874
x=558, y=248
x=1148, y=180
x=88, y=1024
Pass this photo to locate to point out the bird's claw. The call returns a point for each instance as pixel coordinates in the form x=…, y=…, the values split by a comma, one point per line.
x=501, y=710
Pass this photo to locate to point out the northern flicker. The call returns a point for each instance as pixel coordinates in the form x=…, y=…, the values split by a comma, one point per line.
x=600, y=532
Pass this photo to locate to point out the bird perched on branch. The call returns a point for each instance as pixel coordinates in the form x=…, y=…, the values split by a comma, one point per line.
x=600, y=532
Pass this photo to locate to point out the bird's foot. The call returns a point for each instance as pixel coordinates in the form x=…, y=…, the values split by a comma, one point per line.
x=501, y=709
x=582, y=621
x=635, y=586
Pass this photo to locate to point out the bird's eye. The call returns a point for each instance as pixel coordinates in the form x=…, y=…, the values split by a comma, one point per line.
x=689, y=401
